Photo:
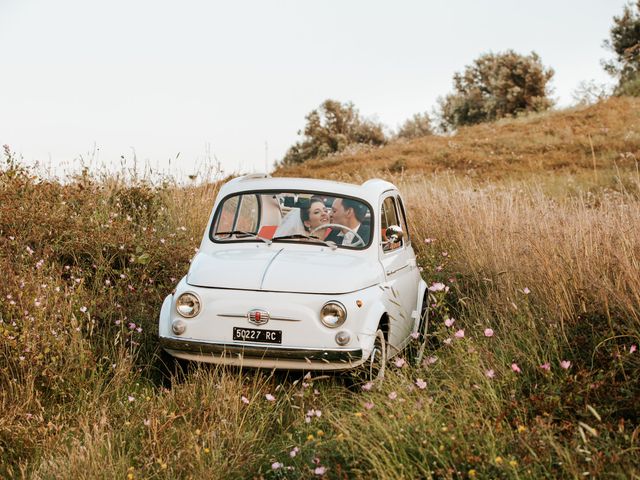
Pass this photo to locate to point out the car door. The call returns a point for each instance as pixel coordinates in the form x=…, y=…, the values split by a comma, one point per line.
x=413, y=273
x=399, y=266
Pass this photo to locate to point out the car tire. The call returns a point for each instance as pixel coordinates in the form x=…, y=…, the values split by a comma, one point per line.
x=171, y=369
x=377, y=362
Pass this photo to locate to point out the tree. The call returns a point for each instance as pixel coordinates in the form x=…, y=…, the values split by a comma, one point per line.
x=589, y=92
x=625, y=44
x=330, y=129
x=417, y=126
x=496, y=86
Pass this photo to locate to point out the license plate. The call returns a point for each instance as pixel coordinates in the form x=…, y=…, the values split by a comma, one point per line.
x=255, y=335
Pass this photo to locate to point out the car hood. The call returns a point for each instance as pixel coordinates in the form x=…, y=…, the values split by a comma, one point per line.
x=282, y=270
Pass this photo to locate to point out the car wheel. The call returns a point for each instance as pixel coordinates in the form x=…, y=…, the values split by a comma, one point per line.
x=378, y=359
x=170, y=369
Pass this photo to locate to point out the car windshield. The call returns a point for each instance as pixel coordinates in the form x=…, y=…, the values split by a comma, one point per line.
x=306, y=217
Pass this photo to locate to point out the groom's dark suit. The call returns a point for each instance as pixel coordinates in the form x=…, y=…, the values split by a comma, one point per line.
x=363, y=231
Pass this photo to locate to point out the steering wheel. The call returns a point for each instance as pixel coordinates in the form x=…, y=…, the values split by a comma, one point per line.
x=359, y=239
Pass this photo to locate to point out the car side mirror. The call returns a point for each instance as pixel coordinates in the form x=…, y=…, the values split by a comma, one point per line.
x=394, y=234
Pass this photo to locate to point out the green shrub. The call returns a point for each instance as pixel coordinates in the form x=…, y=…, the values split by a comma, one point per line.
x=330, y=129
x=497, y=86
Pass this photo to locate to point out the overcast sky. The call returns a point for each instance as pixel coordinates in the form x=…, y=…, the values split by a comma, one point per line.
x=101, y=79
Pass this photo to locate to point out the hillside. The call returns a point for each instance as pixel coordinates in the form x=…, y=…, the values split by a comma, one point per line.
x=565, y=141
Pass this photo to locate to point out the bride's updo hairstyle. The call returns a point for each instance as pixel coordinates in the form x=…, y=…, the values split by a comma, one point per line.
x=304, y=211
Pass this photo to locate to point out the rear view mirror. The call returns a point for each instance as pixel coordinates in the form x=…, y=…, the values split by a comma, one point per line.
x=394, y=234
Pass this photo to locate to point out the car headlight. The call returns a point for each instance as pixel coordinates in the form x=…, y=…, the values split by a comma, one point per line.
x=333, y=314
x=188, y=305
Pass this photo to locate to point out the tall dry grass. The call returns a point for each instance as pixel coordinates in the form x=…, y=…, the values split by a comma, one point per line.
x=82, y=395
x=579, y=256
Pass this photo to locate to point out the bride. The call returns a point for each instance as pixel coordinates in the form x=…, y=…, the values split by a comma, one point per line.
x=303, y=220
x=314, y=216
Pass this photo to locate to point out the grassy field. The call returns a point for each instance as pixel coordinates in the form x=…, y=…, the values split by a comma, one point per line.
x=533, y=371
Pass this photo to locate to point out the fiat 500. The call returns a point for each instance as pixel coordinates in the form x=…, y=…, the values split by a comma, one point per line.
x=299, y=274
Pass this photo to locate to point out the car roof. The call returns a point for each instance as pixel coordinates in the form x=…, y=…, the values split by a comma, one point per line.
x=369, y=190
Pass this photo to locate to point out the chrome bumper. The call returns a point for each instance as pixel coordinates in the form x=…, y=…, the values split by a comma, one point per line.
x=259, y=352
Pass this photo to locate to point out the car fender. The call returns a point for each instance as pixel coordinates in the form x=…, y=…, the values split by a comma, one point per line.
x=370, y=327
x=422, y=289
x=164, y=322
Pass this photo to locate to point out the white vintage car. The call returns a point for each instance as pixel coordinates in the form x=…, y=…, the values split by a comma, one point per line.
x=299, y=274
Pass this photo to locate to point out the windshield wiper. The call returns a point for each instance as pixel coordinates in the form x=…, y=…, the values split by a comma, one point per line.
x=329, y=243
x=242, y=232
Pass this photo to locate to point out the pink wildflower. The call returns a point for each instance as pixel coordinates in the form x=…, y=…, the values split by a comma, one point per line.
x=367, y=386
x=313, y=413
x=429, y=240
x=131, y=399
x=320, y=470
x=633, y=348
x=276, y=466
x=83, y=309
x=488, y=332
x=566, y=364
x=269, y=397
x=446, y=341
x=368, y=405
x=546, y=366
x=294, y=452
x=459, y=333
x=431, y=360
x=490, y=373
x=515, y=368
x=437, y=287
x=245, y=400
x=526, y=290
x=449, y=321
x=393, y=396
x=421, y=384
x=415, y=335
x=400, y=362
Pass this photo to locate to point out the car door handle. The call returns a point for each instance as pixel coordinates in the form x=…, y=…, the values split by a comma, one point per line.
x=391, y=272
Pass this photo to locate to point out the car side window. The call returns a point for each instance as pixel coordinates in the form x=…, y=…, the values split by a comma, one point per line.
x=388, y=217
x=240, y=212
x=248, y=214
x=228, y=214
x=403, y=219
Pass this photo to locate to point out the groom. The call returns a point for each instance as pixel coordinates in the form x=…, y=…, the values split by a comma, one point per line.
x=351, y=214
